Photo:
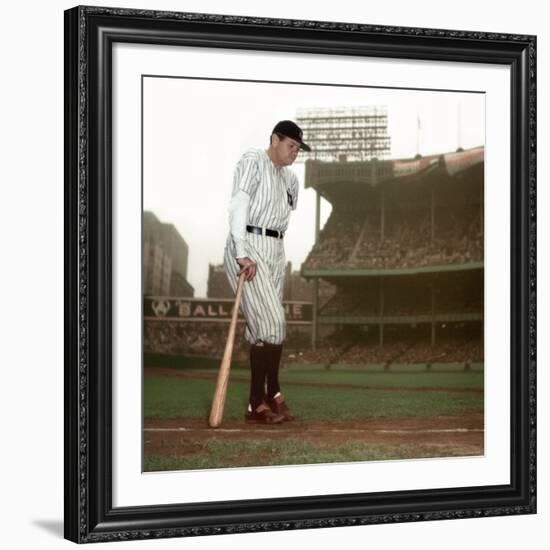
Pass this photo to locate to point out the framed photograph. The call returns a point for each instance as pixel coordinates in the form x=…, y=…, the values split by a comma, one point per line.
x=358, y=347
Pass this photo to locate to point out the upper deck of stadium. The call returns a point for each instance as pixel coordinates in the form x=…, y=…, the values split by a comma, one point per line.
x=345, y=181
x=398, y=217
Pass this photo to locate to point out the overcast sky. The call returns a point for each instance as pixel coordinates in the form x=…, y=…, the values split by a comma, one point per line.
x=195, y=131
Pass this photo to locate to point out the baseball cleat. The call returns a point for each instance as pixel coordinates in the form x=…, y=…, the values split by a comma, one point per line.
x=278, y=406
x=263, y=415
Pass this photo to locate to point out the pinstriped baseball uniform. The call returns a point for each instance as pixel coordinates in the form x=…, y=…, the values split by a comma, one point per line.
x=273, y=193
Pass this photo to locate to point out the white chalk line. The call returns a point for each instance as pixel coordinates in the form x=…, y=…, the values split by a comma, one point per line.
x=331, y=430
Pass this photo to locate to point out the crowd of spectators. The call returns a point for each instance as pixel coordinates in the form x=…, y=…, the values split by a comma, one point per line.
x=364, y=302
x=342, y=346
x=353, y=240
x=459, y=294
x=192, y=339
x=207, y=339
x=397, y=352
x=457, y=351
x=336, y=239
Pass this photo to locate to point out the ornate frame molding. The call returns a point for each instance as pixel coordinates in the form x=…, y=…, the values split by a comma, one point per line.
x=89, y=34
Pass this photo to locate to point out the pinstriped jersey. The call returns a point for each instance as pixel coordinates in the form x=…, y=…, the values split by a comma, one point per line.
x=273, y=191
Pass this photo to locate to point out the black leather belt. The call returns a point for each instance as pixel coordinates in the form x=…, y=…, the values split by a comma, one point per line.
x=268, y=232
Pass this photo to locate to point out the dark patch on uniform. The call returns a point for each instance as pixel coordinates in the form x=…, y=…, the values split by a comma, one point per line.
x=290, y=199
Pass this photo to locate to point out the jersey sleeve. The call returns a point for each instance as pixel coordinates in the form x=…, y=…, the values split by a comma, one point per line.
x=294, y=191
x=246, y=177
x=238, y=216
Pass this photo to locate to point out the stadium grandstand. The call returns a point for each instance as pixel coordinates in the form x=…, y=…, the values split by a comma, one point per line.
x=403, y=247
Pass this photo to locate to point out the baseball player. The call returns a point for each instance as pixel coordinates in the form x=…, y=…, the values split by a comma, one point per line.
x=265, y=191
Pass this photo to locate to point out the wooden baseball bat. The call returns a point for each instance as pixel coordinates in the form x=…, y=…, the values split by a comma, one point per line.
x=218, y=404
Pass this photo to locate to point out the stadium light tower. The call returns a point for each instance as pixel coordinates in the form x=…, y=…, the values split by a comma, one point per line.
x=342, y=134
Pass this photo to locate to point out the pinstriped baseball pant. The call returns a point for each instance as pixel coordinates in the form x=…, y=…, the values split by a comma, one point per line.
x=261, y=300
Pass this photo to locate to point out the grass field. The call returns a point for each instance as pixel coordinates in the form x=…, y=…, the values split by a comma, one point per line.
x=343, y=415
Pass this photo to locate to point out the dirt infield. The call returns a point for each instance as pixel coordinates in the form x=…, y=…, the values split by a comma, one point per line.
x=433, y=436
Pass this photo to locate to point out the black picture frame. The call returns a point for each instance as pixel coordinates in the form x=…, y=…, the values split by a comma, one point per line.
x=90, y=33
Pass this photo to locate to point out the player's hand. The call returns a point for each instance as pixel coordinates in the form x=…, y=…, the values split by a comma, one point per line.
x=248, y=267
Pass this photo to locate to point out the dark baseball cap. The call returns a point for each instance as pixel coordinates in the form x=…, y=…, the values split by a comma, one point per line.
x=291, y=130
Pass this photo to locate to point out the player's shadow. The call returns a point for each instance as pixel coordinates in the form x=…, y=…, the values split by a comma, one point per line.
x=54, y=527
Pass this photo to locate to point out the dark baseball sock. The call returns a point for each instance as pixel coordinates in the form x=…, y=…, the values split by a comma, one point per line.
x=257, y=374
x=273, y=356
